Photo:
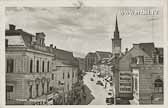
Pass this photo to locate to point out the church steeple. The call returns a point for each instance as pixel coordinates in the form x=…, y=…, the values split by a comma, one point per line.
x=116, y=31
x=116, y=41
x=116, y=25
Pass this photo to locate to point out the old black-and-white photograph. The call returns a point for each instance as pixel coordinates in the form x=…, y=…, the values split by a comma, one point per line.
x=84, y=55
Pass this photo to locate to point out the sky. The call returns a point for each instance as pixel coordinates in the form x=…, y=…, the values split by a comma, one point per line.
x=88, y=29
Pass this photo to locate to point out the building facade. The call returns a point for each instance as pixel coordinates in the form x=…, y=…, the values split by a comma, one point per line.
x=65, y=69
x=28, y=68
x=148, y=80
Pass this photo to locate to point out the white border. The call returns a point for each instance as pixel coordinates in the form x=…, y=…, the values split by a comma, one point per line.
x=90, y=3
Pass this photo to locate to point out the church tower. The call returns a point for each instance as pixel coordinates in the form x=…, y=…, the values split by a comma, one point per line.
x=116, y=40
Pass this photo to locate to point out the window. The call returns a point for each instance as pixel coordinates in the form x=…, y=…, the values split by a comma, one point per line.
x=30, y=91
x=133, y=60
x=43, y=67
x=63, y=75
x=68, y=87
x=125, y=79
x=51, y=88
x=136, y=84
x=125, y=84
x=10, y=65
x=31, y=66
x=140, y=60
x=47, y=86
x=48, y=66
x=68, y=75
x=52, y=77
x=125, y=89
x=160, y=59
x=37, y=67
x=158, y=86
x=42, y=88
x=37, y=89
x=9, y=88
x=72, y=74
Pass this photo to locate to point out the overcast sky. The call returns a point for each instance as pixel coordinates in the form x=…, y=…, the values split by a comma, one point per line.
x=88, y=28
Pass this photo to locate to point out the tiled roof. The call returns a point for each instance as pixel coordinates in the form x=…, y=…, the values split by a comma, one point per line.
x=67, y=56
x=27, y=38
x=62, y=54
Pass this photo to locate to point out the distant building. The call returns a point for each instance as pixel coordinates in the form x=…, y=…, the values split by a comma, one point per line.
x=95, y=58
x=90, y=59
x=28, y=68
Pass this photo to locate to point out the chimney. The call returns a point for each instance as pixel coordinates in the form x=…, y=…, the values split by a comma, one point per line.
x=6, y=43
x=12, y=27
x=40, y=38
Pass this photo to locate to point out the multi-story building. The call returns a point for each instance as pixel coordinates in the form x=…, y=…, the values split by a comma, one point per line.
x=28, y=68
x=65, y=70
x=148, y=79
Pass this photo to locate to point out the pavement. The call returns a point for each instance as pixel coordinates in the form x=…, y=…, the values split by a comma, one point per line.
x=97, y=91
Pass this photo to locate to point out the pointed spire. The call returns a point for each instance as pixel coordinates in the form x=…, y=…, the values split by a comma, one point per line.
x=116, y=26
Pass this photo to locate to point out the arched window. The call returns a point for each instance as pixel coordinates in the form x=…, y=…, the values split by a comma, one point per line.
x=63, y=75
x=37, y=66
x=30, y=91
x=48, y=86
x=42, y=88
x=43, y=67
x=72, y=74
x=158, y=86
x=48, y=66
x=68, y=75
x=31, y=66
x=37, y=89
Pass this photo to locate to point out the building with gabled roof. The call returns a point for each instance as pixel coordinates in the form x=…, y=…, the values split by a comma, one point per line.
x=141, y=54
